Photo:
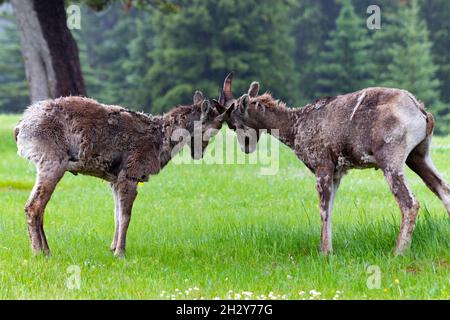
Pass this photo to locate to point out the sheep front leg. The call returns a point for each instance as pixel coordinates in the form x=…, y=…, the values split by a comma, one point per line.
x=127, y=192
x=327, y=184
x=116, y=216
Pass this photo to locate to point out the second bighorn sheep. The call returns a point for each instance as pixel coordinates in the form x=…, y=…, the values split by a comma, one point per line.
x=372, y=128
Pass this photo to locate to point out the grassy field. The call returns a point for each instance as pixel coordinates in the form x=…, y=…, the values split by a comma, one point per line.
x=207, y=231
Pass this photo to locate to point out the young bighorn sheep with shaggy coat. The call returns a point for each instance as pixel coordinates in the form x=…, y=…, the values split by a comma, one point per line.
x=372, y=128
x=123, y=147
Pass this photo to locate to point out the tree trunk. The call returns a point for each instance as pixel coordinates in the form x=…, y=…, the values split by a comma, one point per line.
x=51, y=55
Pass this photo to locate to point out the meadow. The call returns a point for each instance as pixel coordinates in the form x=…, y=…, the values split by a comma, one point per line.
x=222, y=231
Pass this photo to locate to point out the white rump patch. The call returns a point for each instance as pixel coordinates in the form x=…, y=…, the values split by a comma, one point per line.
x=415, y=101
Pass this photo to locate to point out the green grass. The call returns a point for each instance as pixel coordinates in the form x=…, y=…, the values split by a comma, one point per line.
x=220, y=228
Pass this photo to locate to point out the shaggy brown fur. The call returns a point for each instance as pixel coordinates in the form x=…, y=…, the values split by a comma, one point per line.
x=372, y=128
x=123, y=147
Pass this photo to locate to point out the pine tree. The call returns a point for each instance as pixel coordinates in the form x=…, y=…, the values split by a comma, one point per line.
x=138, y=64
x=346, y=65
x=383, y=41
x=411, y=65
x=311, y=20
x=13, y=85
x=196, y=47
x=402, y=53
x=105, y=40
x=437, y=16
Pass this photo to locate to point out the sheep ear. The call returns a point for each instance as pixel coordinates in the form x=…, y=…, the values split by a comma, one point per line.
x=254, y=89
x=198, y=97
x=206, y=107
x=245, y=102
x=220, y=108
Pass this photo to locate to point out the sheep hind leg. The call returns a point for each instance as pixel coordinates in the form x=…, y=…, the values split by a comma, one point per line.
x=420, y=162
x=47, y=178
x=407, y=203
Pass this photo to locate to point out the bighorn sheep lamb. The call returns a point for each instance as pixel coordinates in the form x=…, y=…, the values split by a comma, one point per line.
x=123, y=147
x=372, y=128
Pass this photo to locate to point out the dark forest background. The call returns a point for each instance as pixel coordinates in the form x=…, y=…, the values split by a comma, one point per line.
x=151, y=58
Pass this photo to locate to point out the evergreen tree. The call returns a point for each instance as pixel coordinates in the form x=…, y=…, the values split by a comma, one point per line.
x=14, y=93
x=383, y=40
x=115, y=47
x=437, y=16
x=139, y=63
x=91, y=79
x=108, y=60
x=311, y=20
x=196, y=47
x=346, y=65
x=402, y=55
x=412, y=66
